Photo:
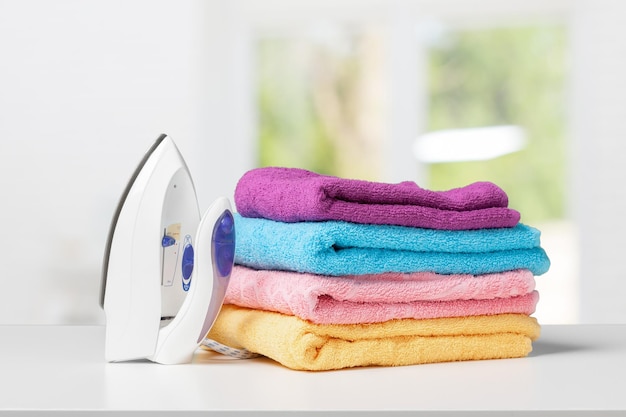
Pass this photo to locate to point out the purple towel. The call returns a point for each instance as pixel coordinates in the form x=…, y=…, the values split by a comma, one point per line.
x=295, y=195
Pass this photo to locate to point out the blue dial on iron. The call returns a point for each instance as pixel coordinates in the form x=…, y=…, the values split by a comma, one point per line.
x=187, y=263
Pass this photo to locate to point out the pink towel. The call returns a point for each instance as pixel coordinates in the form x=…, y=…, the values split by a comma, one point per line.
x=381, y=297
x=294, y=195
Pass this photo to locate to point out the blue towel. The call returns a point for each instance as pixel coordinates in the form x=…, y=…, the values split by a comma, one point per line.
x=341, y=248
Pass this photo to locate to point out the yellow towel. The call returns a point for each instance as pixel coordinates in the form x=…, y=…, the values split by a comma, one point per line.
x=302, y=345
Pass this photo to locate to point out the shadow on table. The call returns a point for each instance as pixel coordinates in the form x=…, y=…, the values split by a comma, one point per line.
x=541, y=348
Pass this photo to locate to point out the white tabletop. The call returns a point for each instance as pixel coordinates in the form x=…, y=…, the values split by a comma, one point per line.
x=572, y=368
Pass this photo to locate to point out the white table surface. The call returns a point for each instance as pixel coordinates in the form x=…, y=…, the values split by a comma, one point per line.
x=573, y=368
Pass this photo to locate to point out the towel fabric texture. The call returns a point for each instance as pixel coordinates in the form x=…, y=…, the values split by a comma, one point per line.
x=301, y=345
x=297, y=195
x=378, y=298
x=334, y=273
x=342, y=248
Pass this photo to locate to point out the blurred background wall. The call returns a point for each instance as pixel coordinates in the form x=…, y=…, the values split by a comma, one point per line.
x=341, y=87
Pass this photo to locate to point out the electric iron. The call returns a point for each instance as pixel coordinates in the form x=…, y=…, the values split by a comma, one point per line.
x=165, y=269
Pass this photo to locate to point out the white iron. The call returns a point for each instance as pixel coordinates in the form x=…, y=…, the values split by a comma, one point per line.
x=165, y=270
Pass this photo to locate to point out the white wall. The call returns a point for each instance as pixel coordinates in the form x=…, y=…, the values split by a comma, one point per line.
x=598, y=122
x=85, y=88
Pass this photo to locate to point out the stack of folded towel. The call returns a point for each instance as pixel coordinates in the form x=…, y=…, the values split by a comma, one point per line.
x=334, y=273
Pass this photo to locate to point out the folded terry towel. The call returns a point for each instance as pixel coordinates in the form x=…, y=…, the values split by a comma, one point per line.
x=378, y=298
x=294, y=195
x=342, y=248
x=298, y=344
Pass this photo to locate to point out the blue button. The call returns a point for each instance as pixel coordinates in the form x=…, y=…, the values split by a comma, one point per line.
x=167, y=241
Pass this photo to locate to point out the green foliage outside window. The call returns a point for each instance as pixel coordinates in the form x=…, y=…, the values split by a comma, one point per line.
x=505, y=76
x=291, y=132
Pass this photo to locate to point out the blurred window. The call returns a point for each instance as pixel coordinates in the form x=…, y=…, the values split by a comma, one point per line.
x=320, y=99
x=504, y=76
